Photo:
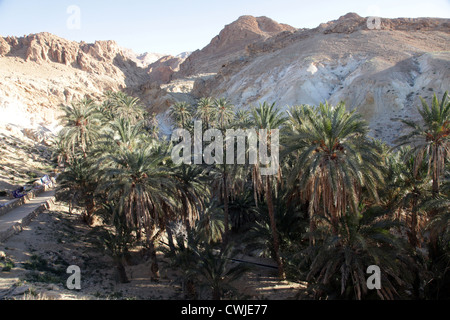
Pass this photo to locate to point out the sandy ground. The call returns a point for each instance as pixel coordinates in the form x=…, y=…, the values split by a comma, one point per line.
x=57, y=239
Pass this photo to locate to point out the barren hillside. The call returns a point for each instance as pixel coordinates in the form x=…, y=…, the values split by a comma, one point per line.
x=382, y=72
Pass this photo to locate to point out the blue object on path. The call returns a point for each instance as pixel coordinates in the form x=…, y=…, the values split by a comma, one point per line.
x=19, y=193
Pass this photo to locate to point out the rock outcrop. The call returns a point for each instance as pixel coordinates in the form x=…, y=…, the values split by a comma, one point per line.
x=381, y=72
x=162, y=70
x=142, y=60
x=231, y=44
x=41, y=71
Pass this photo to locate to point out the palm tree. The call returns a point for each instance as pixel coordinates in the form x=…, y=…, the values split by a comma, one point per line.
x=215, y=270
x=431, y=138
x=340, y=261
x=79, y=177
x=242, y=119
x=125, y=134
x=335, y=160
x=223, y=113
x=210, y=226
x=192, y=190
x=439, y=227
x=291, y=227
x=126, y=106
x=60, y=151
x=181, y=113
x=267, y=117
x=228, y=182
x=205, y=111
x=107, y=108
x=80, y=121
x=142, y=184
x=184, y=257
x=118, y=240
x=222, y=116
x=407, y=186
x=440, y=223
x=243, y=210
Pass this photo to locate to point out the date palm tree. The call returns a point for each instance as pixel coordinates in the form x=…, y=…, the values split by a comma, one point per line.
x=439, y=227
x=334, y=161
x=60, y=151
x=340, y=262
x=192, y=190
x=81, y=179
x=116, y=240
x=223, y=113
x=181, y=113
x=141, y=183
x=222, y=117
x=216, y=272
x=267, y=116
x=440, y=223
x=125, y=134
x=81, y=125
x=126, y=106
x=184, y=256
x=407, y=189
x=431, y=138
x=205, y=111
x=242, y=119
x=210, y=226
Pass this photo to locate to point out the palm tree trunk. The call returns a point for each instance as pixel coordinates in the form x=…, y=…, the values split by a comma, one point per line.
x=225, y=206
x=412, y=237
x=436, y=172
x=273, y=227
x=216, y=294
x=334, y=223
x=435, y=184
x=186, y=220
x=154, y=266
x=90, y=206
x=121, y=271
x=434, y=238
x=170, y=239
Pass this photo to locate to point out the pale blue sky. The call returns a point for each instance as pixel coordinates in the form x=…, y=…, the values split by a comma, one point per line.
x=174, y=26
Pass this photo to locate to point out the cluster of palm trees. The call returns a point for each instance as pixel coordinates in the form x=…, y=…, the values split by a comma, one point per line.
x=340, y=201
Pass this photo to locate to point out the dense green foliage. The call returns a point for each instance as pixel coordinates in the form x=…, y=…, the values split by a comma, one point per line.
x=339, y=202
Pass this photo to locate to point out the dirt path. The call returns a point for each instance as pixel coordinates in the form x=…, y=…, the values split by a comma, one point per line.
x=19, y=217
x=41, y=253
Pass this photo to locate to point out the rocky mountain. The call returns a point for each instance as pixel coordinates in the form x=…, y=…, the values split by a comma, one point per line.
x=142, y=60
x=41, y=71
x=231, y=44
x=162, y=70
x=381, y=72
x=184, y=55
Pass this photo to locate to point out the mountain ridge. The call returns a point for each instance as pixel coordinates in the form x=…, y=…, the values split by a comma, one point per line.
x=231, y=43
x=380, y=71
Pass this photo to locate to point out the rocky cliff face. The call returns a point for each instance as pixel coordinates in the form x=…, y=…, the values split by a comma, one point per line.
x=101, y=57
x=41, y=71
x=231, y=44
x=142, y=60
x=162, y=70
x=381, y=72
